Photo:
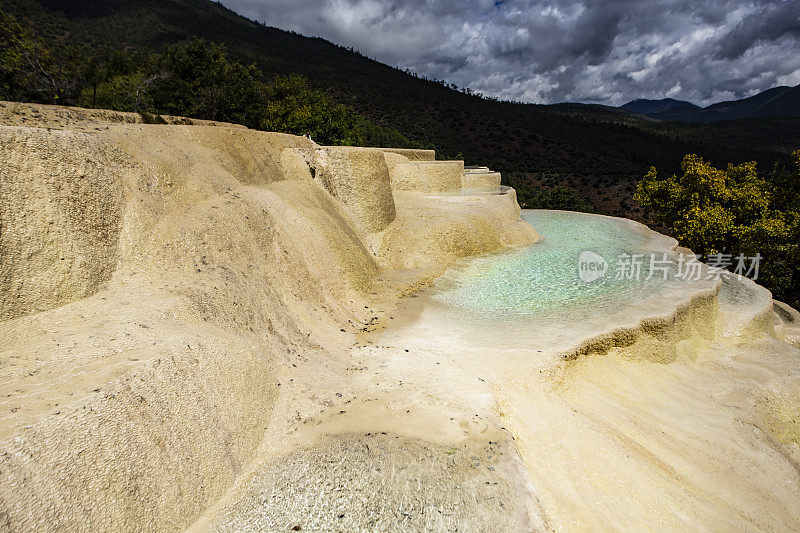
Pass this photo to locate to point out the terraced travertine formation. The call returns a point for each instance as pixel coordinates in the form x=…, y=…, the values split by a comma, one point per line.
x=213, y=328
x=172, y=295
x=635, y=403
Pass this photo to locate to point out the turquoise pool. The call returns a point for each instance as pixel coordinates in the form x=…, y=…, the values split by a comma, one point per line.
x=544, y=278
x=531, y=302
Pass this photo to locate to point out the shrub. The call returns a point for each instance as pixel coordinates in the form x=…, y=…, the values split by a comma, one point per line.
x=733, y=211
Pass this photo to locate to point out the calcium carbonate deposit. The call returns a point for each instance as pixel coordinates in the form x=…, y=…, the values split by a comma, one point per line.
x=206, y=327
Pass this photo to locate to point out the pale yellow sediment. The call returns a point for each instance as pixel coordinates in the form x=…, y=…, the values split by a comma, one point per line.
x=202, y=327
x=176, y=298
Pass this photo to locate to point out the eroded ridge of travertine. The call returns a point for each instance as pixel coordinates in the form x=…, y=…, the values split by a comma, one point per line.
x=80, y=119
x=175, y=298
x=359, y=178
x=787, y=323
x=61, y=216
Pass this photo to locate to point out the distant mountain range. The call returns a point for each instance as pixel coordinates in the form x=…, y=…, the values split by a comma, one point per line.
x=776, y=102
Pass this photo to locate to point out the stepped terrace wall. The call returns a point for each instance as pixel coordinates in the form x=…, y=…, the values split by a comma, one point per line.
x=428, y=176
x=206, y=275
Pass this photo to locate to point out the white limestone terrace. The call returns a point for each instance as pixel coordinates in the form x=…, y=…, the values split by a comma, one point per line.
x=632, y=402
x=531, y=299
x=208, y=327
x=178, y=303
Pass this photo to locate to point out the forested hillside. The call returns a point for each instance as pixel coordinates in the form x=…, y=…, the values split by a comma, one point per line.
x=118, y=47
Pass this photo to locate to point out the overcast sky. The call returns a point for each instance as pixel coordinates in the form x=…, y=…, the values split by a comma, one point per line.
x=603, y=51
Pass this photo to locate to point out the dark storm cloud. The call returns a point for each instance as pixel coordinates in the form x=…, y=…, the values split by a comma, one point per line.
x=765, y=24
x=565, y=50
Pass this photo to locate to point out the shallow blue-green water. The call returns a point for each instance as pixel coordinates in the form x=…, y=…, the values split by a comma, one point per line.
x=544, y=278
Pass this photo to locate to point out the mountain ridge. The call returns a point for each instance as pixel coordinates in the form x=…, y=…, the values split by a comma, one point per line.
x=649, y=107
x=778, y=102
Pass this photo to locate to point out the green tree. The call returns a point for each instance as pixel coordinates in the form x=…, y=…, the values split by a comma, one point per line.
x=294, y=107
x=34, y=72
x=198, y=79
x=125, y=92
x=23, y=72
x=11, y=58
x=705, y=206
x=194, y=78
x=733, y=211
x=560, y=197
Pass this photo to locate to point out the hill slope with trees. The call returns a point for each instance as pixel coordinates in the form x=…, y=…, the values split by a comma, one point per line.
x=145, y=55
